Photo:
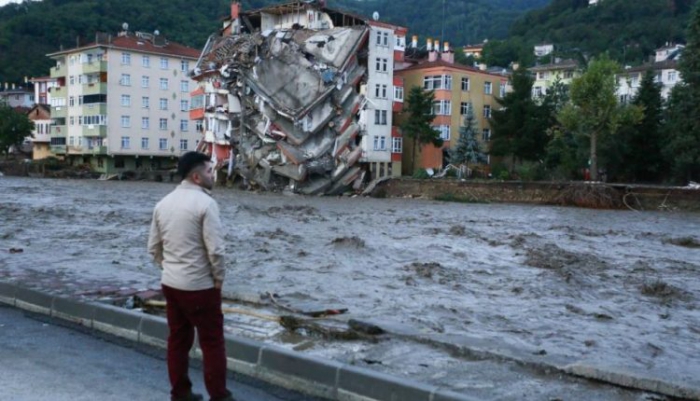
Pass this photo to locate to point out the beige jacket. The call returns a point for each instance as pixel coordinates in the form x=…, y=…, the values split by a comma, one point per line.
x=186, y=239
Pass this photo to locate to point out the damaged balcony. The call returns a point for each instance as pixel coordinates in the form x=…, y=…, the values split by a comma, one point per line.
x=286, y=98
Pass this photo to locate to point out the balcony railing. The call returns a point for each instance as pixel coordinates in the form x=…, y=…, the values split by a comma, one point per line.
x=94, y=109
x=94, y=67
x=59, y=112
x=98, y=88
x=98, y=150
x=58, y=92
x=58, y=131
x=95, y=131
x=59, y=72
x=58, y=149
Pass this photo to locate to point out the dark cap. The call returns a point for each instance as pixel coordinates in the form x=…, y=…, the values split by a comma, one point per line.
x=190, y=161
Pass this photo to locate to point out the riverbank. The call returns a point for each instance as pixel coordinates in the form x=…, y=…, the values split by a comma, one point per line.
x=580, y=194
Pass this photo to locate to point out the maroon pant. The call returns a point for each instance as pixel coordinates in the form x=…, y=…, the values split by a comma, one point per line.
x=186, y=311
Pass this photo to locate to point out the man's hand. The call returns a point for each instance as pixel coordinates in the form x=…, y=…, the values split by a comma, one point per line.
x=218, y=284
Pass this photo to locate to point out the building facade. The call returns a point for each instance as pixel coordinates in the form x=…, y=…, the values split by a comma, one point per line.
x=42, y=89
x=457, y=88
x=17, y=97
x=40, y=115
x=546, y=75
x=664, y=68
x=122, y=103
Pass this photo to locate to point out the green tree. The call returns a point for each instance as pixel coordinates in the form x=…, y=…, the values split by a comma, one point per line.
x=642, y=144
x=418, y=108
x=519, y=129
x=594, y=110
x=14, y=127
x=467, y=150
x=683, y=131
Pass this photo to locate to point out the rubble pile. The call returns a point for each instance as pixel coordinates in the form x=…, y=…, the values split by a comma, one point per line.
x=288, y=102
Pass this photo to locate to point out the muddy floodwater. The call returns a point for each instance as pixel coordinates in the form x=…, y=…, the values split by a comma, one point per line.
x=618, y=289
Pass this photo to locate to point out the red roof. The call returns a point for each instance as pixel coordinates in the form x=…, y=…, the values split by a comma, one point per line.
x=142, y=45
x=443, y=63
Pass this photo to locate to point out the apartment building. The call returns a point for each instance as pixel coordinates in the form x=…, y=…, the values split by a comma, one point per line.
x=664, y=67
x=546, y=75
x=122, y=103
x=314, y=112
x=42, y=89
x=457, y=88
x=381, y=143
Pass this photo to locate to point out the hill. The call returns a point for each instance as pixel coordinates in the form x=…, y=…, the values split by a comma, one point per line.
x=629, y=31
x=30, y=30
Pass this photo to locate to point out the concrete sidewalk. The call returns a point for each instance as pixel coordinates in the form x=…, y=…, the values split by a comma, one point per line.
x=43, y=359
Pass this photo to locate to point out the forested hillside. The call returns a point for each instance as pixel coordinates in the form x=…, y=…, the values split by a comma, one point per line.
x=31, y=29
x=628, y=30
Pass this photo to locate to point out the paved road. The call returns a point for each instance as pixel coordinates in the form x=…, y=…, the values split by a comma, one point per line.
x=43, y=359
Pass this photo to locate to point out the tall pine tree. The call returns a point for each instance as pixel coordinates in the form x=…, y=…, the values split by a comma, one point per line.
x=417, y=127
x=683, y=127
x=643, y=159
x=467, y=150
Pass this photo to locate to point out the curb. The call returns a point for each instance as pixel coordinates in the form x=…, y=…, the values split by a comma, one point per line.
x=304, y=373
x=480, y=348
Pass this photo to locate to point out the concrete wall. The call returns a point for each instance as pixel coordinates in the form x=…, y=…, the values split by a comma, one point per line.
x=623, y=196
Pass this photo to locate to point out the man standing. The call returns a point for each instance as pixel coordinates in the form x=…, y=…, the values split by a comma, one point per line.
x=186, y=242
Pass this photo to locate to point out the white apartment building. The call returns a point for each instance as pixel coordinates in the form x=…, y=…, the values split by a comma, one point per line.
x=543, y=49
x=664, y=67
x=387, y=44
x=122, y=103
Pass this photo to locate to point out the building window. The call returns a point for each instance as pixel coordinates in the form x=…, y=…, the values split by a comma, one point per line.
x=464, y=108
x=184, y=86
x=126, y=121
x=671, y=76
x=398, y=93
x=487, y=111
x=184, y=106
x=145, y=102
x=145, y=122
x=126, y=100
x=126, y=58
x=465, y=84
x=444, y=131
x=126, y=142
x=183, y=144
x=146, y=61
x=488, y=88
x=386, y=39
x=163, y=63
x=125, y=80
x=432, y=82
x=537, y=91
x=380, y=91
x=184, y=125
x=163, y=124
x=184, y=66
x=71, y=101
x=568, y=74
x=486, y=135
x=145, y=81
x=502, y=90
x=382, y=64
x=380, y=143
x=163, y=144
x=164, y=83
x=199, y=125
x=379, y=38
x=163, y=103
x=396, y=145
x=144, y=143
x=71, y=80
x=442, y=107
x=380, y=117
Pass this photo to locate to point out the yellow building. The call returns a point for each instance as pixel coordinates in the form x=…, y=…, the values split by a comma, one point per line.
x=547, y=74
x=456, y=87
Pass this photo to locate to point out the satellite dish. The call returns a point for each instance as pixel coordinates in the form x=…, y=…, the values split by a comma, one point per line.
x=125, y=26
x=375, y=16
x=156, y=32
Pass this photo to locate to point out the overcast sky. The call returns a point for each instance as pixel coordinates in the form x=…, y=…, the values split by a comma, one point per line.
x=3, y=2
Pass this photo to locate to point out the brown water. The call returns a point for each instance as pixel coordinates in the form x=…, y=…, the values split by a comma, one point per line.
x=615, y=288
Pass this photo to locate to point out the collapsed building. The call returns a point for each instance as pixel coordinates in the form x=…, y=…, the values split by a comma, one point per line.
x=300, y=96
